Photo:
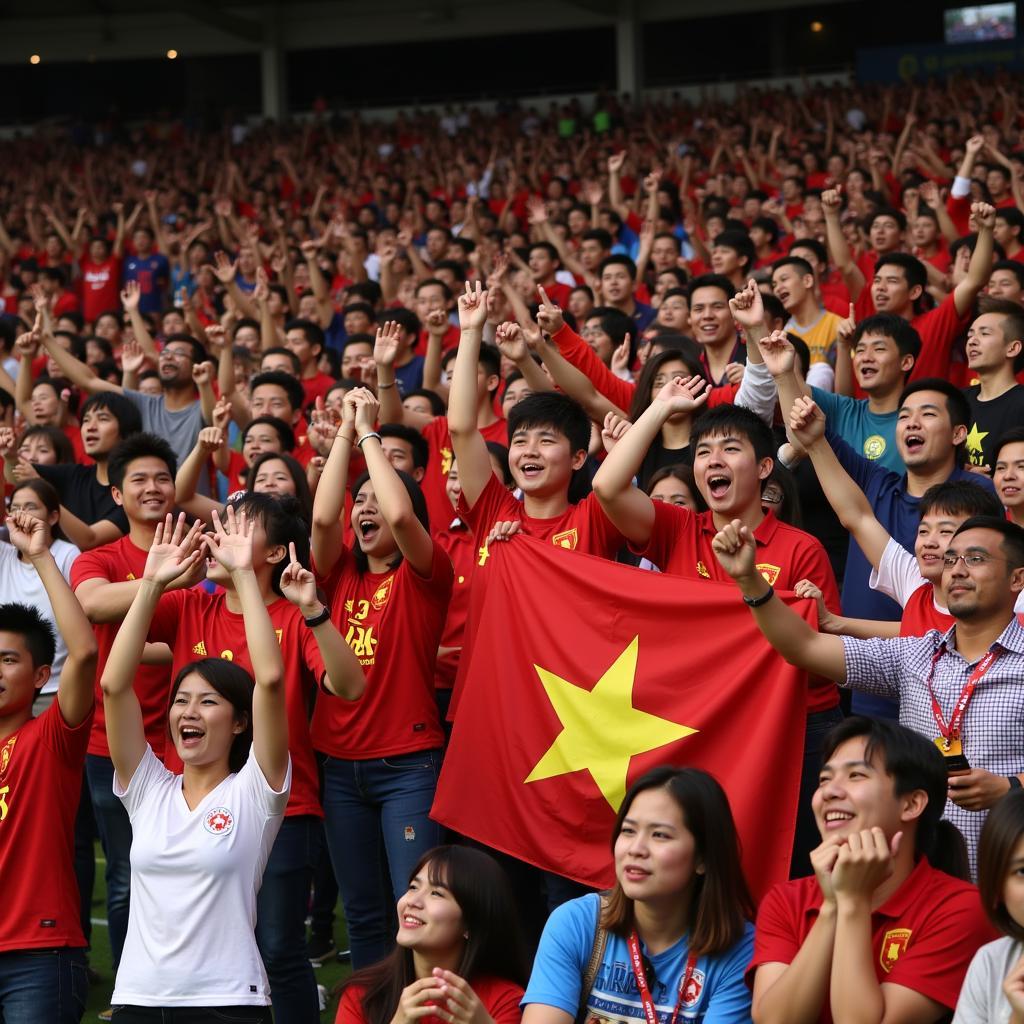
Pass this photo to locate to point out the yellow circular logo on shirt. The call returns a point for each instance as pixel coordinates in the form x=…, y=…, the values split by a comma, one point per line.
x=874, y=446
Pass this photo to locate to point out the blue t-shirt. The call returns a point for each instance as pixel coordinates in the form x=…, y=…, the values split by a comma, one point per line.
x=152, y=272
x=410, y=376
x=564, y=951
x=871, y=434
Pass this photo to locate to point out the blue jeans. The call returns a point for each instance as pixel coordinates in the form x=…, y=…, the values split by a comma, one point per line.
x=806, y=836
x=43, y=986
x=116, y=836
x=281, y=920
x=377, y=820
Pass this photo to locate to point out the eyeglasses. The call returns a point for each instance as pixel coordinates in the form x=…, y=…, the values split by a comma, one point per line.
x=971, y=560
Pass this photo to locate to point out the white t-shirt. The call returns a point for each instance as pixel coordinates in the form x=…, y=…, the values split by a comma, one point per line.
x=898, y=576
x=981, y=998
x=20, y=582
x=195, y=875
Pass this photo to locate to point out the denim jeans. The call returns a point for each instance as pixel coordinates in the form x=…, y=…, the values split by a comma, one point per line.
x=192, y=1015
x=43, y=986
x=116, y=836
x=325, y=893
x=281, y=920
x=85, y=858
x=806, y=837
x=377, y=821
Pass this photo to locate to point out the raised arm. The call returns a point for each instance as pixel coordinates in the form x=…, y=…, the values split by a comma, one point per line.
x=468, y=443
x=78, y=676
x=838, y=246
x=231, y=544
x=328, y=535
x=126, y=736
x=393, y=499
x=75, y=370
x=807, y=425
x=130, y=297
x=629, y=509
x=817, y=653
x=186, y=483
x=343, y=674
x=980, y=267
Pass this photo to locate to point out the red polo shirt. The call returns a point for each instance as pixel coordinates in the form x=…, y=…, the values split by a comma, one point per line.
x=680, y=544
x=923, y=937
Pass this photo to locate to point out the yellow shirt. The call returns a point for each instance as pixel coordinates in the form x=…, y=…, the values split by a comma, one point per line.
x=818, y=335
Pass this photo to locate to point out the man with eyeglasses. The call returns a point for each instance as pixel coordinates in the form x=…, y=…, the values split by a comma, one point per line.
x=962, y=689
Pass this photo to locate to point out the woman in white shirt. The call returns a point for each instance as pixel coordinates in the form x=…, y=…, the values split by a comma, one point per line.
x=201, y=839
x=19, y=580
x=993, y=991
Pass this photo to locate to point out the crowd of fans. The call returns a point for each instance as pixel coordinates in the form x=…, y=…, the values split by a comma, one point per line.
x=266, y=398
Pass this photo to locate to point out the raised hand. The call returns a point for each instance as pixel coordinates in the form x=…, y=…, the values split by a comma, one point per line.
x=175, y=551
x=8, y=442
x=613, y=430
x=298, y=585
x=132, y=356
x=831, y=201
x=232, y=540
x=684, y=394
x=847, y=327
x=537, y=210
x=366, y=409
x=224, y=268
x=385, y=346
x=549, y=316
x=865, y=861
x=27, y=534
x=203, y=373
x=437, y=321
x=473, y=307
x=620, y=357
x=210, y=439
x=734, y=372
x=131, y=293
x=615, y=162
x=975, y=144
x=747, y=307
x=983, y=215
x=261, y=293
x=778, y=353
x=736, y=550
x=511, y=341
x=222, y=414
x=806, y=422
x=823, y=860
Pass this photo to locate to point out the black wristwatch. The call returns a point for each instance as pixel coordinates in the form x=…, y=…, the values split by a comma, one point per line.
x=320, y=618
x=756, y=602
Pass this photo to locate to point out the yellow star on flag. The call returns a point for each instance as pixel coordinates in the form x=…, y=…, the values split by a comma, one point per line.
x=601, y=730
x=975, y=437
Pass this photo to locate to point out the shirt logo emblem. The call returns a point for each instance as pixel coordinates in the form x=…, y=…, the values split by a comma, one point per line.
x=566, y=539
x=200, y=649
x=769, y=572
x=874, y=447
x=219, y=821
x=894, y=942
x=381, y=594
x=702, y=570
x=5, y=754
x=694, y=987
x=446, y=461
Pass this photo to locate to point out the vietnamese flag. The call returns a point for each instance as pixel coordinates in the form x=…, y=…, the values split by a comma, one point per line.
x=584, y=674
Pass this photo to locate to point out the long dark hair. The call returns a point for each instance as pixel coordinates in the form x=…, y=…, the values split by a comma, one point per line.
x=494, y=946
x=235, y=685
x=47, y=494
x=419, y=507
x=302, y=492
x=642, y=394
x=1003, y=830
x=720, y=902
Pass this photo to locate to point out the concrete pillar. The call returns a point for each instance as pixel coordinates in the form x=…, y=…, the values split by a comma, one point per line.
x=628, y=49
x=272, y=69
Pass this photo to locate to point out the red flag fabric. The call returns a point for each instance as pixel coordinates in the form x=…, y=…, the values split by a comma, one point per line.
x=582, y=675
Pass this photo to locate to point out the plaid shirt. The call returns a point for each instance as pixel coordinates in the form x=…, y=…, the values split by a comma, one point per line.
x=993, y=724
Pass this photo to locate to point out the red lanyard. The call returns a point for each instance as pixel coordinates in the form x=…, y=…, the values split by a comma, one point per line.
x=636, y=959
x=952, y=730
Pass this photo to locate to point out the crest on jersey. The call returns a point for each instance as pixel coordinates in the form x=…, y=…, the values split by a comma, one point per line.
x=769, y=572
x=6, y=752
x=694, y=987
x=219, y=821
x=894, y=942
x=382, y=593
x=566, y=539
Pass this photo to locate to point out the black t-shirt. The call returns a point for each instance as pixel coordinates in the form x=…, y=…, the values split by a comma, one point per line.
x=83, y=495
x=990, y=420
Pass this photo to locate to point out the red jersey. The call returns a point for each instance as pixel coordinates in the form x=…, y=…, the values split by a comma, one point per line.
x=460, y=544
x=393, y=621
x=316, y=387
x=116, y=562
x=558, y=293
x=923, y=937
x=680, y=544
x=196, y=625
x=500, y=998
x=921, y=615
x=100, y=287
x=439, y=464
x=835, y=297
x=581, y=527
x=40, y=782
x=449, y=340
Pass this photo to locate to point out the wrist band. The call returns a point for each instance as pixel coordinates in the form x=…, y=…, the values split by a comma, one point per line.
x=1013, y=781
x=381, y=387
x=756, y=602
x=319, y=619
x=372, y=433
